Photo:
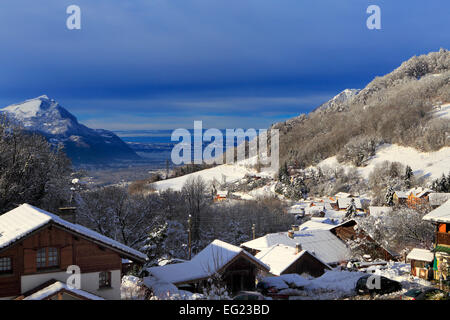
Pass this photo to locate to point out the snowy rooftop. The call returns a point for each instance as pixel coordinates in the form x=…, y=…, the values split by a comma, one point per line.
x=343, y=195
x=421, y=255
x=419, y=192
x=437, y=199
x=321, y=243
x=402, y=194
x=440, y=214
x=57, y=287
x=323, y=224
x=21, y=221
x=207, y=262
x=280, y=257
x=296, y=209
x=343, y=203
x=314, y=209
x=222, y=193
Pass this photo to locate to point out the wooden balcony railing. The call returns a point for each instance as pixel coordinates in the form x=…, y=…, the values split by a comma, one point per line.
x=443, y=238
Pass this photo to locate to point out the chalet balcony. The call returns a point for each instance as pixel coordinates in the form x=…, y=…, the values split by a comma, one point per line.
x=443, y=238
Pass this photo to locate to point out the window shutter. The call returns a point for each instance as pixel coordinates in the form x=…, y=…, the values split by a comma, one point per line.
x=29, y=261
x=66, y=257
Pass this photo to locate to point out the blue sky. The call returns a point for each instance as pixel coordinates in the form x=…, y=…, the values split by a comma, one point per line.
x=161, y=64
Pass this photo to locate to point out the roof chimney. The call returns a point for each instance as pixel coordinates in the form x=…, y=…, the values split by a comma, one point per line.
x=291, y=234
x=298, y=248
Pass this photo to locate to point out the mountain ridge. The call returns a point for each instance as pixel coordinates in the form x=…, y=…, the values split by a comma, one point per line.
x=397, y=108
x=82, y=144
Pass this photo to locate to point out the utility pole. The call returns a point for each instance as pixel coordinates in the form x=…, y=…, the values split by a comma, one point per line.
x=167, y=168
x=254, y=231
x=189, y=236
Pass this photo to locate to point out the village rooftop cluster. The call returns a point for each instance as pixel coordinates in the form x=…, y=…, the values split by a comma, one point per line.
x=37, y=247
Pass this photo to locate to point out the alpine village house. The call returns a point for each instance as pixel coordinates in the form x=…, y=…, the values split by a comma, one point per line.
x=39, y=251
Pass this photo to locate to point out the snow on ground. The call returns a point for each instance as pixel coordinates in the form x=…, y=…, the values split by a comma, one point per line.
x=230, y=172
x=335, y=284
x=443, y=111
x=131, y=288
x=430, y=164
x=400, y=272
x=227, y=172
x=264, y=191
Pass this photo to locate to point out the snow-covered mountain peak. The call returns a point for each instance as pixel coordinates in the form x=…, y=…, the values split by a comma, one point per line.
x=337, y=103
x=83, y=145
x=43, y=114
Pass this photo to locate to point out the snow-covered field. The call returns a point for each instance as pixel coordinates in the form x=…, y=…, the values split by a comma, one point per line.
x=429, y=164
x=443, y=111
x=222, y=173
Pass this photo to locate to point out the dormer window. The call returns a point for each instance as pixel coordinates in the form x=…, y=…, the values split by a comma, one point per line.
x=5, y=265
x=47, y=258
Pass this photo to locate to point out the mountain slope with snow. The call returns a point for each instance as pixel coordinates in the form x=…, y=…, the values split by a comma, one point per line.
x=339, y=102
x=428, y=164
x=83, y=145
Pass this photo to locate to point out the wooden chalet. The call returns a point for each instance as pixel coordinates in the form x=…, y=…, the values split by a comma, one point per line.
x=400, y=197
x=417, y=198
x=221, y=195
x=37, y=247
x=349, y=230
x=440, y=217
x=236, y=267
x=421, y=263
x=284, y=259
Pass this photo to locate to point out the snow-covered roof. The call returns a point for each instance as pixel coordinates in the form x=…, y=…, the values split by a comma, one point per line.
x=379, y=211
x=343, y=203
x=296, y=209
x=440, y=214
x=436, y=199
x=321, y=243
x=419, y=191
x=421, y=255
x=402, y=194
x=21, y=221
x=328, y=206
x=206, y=263
x=280, y=257
x=314, y=209
x=222, y=193
x=325, y=224
x=58, y=286
x=343, y=195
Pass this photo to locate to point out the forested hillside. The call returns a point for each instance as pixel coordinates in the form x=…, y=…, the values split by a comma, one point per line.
x=395, y=108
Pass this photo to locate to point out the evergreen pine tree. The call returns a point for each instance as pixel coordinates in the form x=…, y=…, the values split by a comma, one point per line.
x=408, y=177
x=390, y=196
x=154, y=244
x=283, y=173
x=351, y=209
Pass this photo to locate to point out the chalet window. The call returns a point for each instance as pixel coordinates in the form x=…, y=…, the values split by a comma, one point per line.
x=104, y=279
x=47, y=258
x=5, y=265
